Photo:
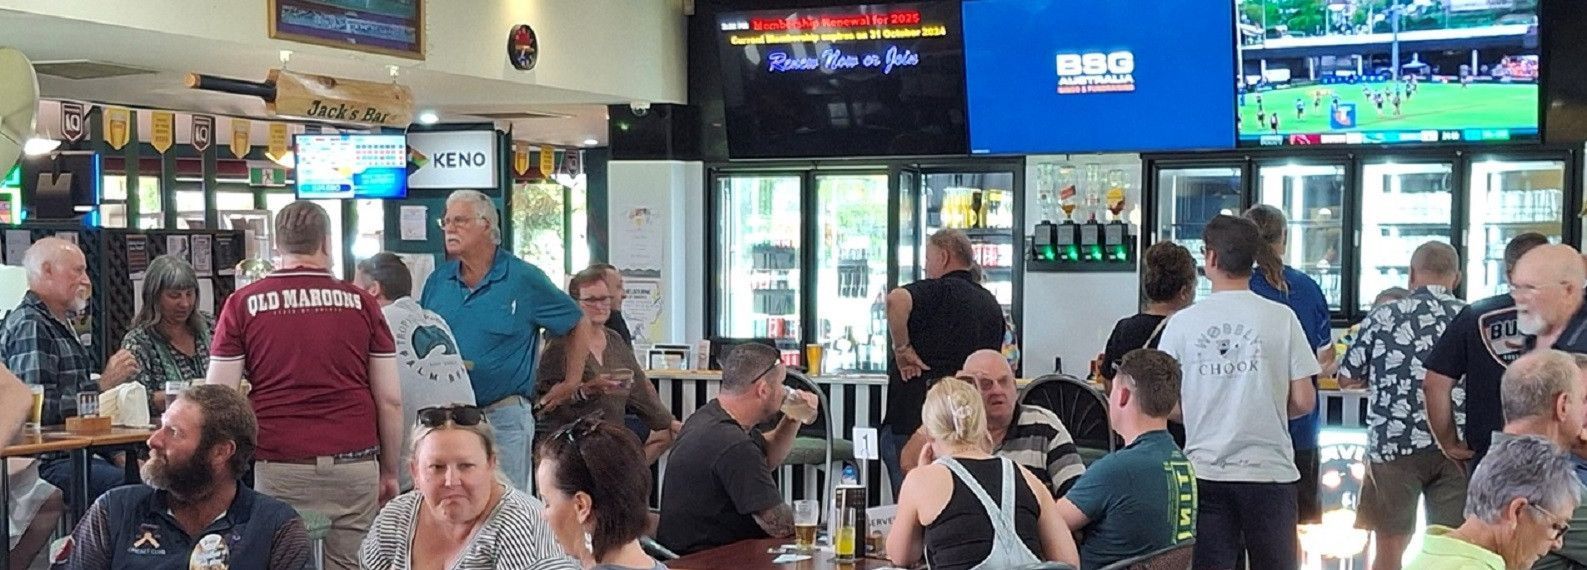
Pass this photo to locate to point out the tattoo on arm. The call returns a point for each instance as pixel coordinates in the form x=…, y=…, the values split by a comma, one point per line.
x=776, y=521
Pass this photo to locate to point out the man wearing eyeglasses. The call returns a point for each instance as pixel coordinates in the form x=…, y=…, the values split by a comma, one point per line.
x=1031, y=436
x=497, y=305
x=1545, y=394
x=1547, y=287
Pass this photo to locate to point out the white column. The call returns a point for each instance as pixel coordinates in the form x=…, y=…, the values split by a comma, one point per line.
x=656, y=222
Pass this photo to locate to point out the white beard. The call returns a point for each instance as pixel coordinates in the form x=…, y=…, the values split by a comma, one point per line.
x=1530, y=323
x=79, y=305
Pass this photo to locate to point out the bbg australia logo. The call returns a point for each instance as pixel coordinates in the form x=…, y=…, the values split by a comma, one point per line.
x=1096, y=72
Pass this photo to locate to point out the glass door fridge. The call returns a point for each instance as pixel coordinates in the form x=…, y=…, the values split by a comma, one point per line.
x=758, y=257
x=1312, y=197
x=982, y=205
x=1508, y=198
x=851, y=271
x=1403, y=205
x=1190, y=196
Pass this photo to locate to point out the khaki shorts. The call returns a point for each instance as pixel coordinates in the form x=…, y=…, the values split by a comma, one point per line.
x=1391, y=490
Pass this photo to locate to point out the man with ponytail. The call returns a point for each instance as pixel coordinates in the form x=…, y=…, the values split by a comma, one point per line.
x=1246, y=370
x=1284, y=284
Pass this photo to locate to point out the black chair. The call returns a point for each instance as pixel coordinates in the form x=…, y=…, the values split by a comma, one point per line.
x=1176, y=557
x=656, y=550
x=1082, y=409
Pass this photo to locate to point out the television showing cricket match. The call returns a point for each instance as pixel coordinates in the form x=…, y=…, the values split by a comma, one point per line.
x=1386, y=71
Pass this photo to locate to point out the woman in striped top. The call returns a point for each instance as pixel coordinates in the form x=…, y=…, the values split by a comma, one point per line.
x=594, y=479
x=461, y=515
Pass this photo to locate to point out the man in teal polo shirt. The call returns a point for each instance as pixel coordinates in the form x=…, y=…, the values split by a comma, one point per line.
x=497, y=305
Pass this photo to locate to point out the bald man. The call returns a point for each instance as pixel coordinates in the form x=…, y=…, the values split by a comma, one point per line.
x=42, y=349
x=1547, y=287
x=1029, y=435
x=1404, y=466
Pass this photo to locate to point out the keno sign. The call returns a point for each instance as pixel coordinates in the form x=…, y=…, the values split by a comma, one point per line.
x=453, y=159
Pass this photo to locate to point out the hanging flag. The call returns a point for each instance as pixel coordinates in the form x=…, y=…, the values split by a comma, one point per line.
x=520, y=157
x=203, y=132
x=117, y=122
x=573, y=162
x=72, y=116
x=548, y=160
x=239, y=137
x=162, y=130
x=279, y=144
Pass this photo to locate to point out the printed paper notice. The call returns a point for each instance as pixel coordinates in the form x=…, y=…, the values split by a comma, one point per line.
x=203, y=261
x=177, y=246
x=414, y=226
x=17, y=244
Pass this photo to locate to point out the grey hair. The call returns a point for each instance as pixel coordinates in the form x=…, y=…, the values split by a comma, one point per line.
x=1524, y=467
x=1533, y=383
x=483, y=205
x=390, y=272
x=745, y=364
x=43, y=252
x=167, y=273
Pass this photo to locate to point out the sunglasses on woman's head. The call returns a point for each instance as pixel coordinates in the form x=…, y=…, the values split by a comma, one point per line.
x=461, y=415
x=579, y=428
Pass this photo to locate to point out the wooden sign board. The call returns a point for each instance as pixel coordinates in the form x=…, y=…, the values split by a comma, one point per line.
x=326, y=98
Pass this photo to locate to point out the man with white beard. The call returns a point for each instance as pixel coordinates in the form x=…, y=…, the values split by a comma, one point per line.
x=1547, y=287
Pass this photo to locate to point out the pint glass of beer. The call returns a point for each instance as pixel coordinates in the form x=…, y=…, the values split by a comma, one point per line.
x=807, y=519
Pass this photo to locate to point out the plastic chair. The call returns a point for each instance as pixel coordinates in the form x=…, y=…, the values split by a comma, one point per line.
x=317, y=526
x=1082, y=409
x=1176, y=557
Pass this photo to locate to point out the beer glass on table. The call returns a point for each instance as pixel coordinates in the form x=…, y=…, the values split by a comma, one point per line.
x=36, y=413
x=807, y=519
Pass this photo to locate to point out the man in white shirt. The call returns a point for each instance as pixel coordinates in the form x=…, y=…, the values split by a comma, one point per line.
x=428, y=361
x=1247, y=370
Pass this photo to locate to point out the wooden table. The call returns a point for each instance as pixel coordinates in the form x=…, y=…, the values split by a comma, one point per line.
x=27, y=444
x=754, y=555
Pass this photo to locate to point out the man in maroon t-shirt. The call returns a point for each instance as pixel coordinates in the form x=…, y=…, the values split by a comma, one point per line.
x=325, y=387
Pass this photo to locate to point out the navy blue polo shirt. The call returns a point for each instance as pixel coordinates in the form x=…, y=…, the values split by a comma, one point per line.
x=1574, y=339
x=1306, y=299
x=498, y=322
x=131, y=528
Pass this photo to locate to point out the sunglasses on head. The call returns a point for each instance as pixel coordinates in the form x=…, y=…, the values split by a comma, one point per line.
x=462, y=415
x=578, y=428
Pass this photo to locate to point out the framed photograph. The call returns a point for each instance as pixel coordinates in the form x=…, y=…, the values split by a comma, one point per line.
x=667, y=357
x=390, y=27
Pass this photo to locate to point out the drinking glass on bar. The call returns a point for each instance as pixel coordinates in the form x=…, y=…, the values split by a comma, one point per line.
x=843, y=544
x=807, y=519
x=36, y=414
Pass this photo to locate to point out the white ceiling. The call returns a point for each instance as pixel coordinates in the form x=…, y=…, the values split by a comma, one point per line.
x=580, y=115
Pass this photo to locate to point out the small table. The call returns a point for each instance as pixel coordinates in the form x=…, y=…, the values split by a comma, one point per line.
x=753, y=555
x=120, y=439
x=31, y=443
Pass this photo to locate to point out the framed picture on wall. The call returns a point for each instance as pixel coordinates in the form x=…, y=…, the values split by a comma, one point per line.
x=390, y=27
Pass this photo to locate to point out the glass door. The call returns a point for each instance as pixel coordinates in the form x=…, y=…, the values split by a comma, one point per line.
x=982, y=205
x=851, y=271
x=1509, y=198
x=1188, y=198
x=758, y=257
x=1312, y=198
x=1403, y=205
x=909, y=219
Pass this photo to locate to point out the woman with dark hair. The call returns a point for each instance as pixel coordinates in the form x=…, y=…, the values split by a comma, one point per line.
x=1284, y=284
x=1170, y=285
x=596, y=488
x=169, y=337
x=599, y=390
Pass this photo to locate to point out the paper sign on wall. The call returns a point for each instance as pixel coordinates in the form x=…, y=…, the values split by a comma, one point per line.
x=453, y=159
x=414, y=226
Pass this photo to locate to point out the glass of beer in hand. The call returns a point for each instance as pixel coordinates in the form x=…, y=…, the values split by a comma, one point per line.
x=807, y=519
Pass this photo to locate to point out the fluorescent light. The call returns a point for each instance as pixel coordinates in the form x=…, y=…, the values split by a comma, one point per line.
x=36, y=146
x=591, y=142
x=429, y=118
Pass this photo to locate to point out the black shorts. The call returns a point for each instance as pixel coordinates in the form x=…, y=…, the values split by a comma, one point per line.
x=1308, y=501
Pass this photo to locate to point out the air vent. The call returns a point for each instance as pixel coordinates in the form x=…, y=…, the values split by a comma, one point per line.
x=85, y=69
x=519, y=115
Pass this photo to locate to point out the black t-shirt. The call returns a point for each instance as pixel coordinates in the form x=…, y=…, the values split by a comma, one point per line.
x=1129, y=334
x=717, y=479
x=620, y=326
x=961, y=536
x=951, y=317
x=1478, y=345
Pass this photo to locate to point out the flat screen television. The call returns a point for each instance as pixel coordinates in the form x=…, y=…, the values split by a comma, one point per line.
x=1362, y=73
x=345, y=165
x=866, y=80
x=1098, y=76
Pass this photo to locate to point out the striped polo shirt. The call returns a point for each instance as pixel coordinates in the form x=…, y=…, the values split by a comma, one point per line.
x=1039, y=441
